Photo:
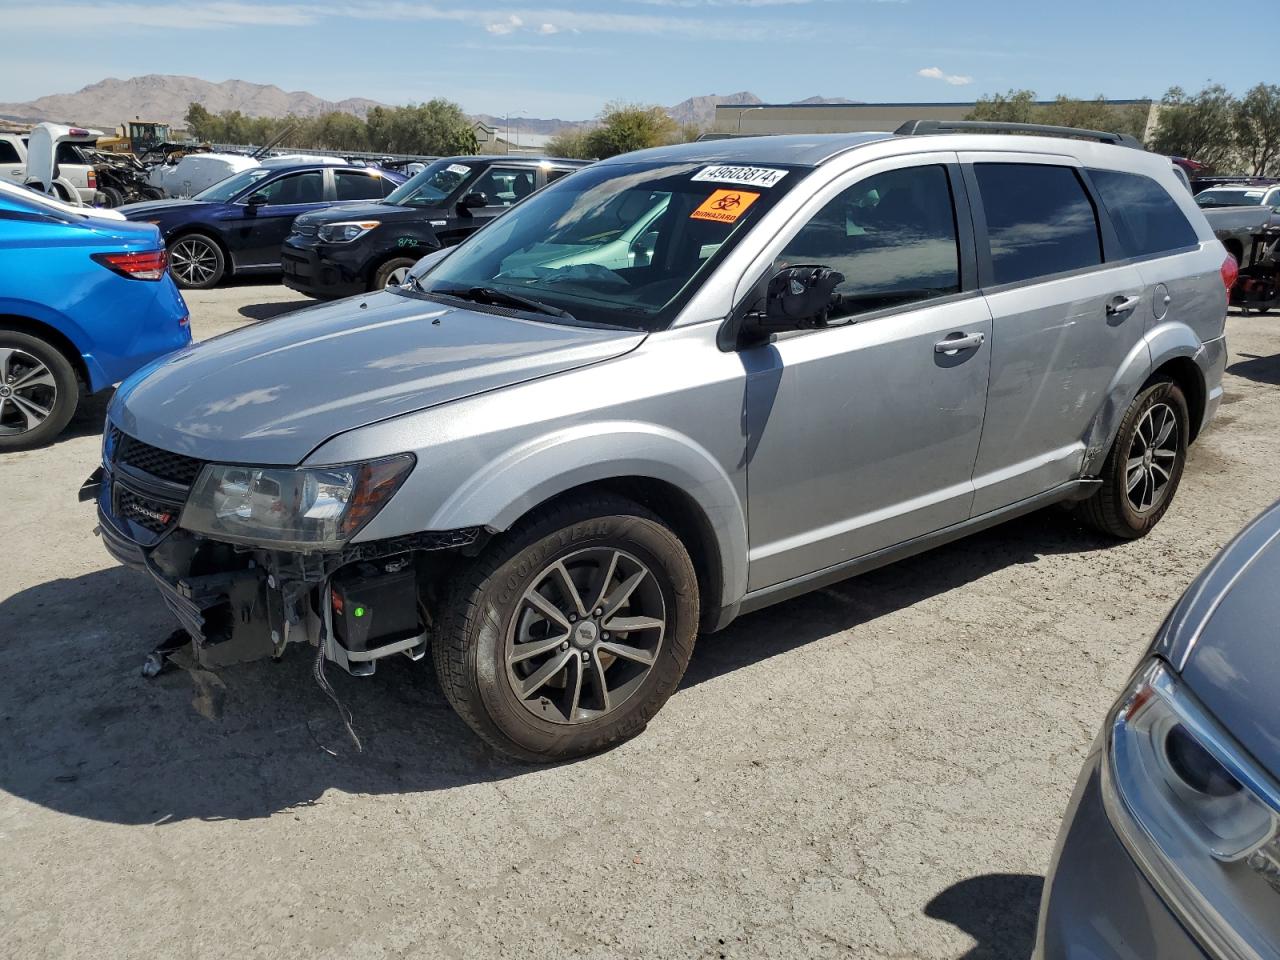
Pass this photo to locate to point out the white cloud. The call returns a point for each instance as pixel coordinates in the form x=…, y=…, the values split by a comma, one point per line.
x=548, y=28
x=206, y=16
x=936, y=73
x=507, y=25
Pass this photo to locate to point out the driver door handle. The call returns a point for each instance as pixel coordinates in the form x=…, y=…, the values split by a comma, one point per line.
x=1122, y=305
x=957, y=342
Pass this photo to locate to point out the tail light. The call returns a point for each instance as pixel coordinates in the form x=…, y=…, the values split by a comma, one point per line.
x=146, y=265
x=1230, y=273
x=93, y=179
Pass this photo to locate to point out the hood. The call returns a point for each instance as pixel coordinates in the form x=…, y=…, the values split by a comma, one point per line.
x=151, y=208
x=1224, y=637
x=271, y=393
x=363, y=211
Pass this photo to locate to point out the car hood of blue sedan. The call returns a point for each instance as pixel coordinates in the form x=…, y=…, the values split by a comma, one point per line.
x=271, y=393
x=1224, y=636
x=148, y=209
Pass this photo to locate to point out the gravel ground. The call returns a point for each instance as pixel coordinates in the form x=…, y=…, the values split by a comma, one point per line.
x=876, y=770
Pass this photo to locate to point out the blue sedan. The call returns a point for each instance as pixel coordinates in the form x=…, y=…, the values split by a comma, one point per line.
x=237, y=226
x=85, y=300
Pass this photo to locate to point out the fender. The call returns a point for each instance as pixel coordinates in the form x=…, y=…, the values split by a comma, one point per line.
x=1157, y=347
x=534, y=472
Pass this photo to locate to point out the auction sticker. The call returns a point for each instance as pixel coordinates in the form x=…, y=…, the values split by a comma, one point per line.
x=458, y=168
x=747, y=176
x=725, y=206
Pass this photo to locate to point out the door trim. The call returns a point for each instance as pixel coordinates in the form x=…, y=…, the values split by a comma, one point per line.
x=788, y=589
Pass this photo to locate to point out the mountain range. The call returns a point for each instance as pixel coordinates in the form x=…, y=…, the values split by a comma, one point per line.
x=165, y=97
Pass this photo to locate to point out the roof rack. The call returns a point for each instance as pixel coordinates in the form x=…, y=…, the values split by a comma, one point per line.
x=918, y=128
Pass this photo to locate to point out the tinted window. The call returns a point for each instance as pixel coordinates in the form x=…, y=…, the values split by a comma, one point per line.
x=68, y=152
x=1039, y=220
x=503, y=186
x=553, y=174
x=8, y=152
x=1146, y=217
x=893, y=236
x=296, y=188
x=358, y=186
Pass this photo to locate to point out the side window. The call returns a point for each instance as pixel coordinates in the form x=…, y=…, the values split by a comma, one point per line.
x=295, y=188
x=554, y=174
x=892, y=235
x=1040, y=221
x=503, y=186
x=357, y=186
x=8, y=152
x=1146, y=217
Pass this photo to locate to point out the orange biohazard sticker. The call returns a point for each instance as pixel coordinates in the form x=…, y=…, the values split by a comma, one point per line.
x=725, y=206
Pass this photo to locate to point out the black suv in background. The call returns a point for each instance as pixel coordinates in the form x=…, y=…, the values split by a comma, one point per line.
x=341, y=251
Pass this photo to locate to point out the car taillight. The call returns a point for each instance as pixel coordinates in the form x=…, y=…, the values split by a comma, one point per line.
x=147, y=265
x=1230, y=273
x=93, y=179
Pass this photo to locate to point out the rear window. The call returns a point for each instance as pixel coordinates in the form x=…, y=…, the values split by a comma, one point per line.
x=1146, y=217
x=68, y=152
x=1040, y=220
x=358, y=186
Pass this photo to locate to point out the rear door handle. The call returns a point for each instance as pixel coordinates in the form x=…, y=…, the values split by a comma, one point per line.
x=959, y=341
x=1122, y=305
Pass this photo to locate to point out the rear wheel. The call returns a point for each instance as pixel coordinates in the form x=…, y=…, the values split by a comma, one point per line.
x=1144, y=467
x=392, y=273
x=196, y=262
x=38, y=391
x=111, y=197
x=570, y=633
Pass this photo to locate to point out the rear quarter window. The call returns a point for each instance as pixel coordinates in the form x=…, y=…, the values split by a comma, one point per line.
x=1040, y=220
x=8, y=152
x=1145, y=215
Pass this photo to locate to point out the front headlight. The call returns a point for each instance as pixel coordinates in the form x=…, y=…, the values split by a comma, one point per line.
x=1181, y=777
x=346, y=231
x=310, y=508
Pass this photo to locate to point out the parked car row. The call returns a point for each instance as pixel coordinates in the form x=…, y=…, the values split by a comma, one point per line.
x=555, y=451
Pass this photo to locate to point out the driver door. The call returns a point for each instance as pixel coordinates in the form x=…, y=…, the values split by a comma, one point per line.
x=264, y=227
x=863, y=434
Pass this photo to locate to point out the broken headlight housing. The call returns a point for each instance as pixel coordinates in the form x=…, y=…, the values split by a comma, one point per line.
x=306, y=509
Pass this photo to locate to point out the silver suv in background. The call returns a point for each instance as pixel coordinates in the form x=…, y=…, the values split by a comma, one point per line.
x=824, y=353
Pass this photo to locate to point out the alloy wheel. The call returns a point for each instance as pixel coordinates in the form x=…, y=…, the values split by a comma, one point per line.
x=193, y=261
x=1153, y=453
x=585, y=635
x=28, y=391
x=398, y=276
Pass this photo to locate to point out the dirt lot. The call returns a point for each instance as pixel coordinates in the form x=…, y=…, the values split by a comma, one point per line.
x=877, y=770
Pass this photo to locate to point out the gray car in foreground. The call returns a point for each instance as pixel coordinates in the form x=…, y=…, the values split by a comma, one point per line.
x=552, y=469
x=1171, y=844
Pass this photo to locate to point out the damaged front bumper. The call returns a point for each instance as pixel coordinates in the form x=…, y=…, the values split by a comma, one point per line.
x=359, y=604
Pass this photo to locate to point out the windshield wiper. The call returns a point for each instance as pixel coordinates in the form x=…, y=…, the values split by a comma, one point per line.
x=500, y=298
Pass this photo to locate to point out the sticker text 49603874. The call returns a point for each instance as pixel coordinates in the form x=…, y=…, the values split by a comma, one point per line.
x=747, y=176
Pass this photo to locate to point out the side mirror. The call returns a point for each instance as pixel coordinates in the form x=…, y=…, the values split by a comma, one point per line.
x=472, y=200
x=795, y=298
x=257, y=199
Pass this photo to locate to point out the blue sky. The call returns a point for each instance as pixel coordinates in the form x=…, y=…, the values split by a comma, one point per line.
x=567, y=59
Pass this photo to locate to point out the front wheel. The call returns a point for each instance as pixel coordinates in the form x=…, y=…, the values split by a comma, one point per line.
x=571, y=632
x=196, y=262
x=38, y=391
x=392, y=273
x=1144, y=466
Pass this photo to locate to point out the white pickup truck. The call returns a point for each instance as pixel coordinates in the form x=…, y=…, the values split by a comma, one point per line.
x=69, y=173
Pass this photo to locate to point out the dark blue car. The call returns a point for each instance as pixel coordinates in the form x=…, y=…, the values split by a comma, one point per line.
x=85, y=300
x=238, y=225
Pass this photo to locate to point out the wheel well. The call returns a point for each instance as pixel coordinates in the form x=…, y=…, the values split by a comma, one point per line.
x=682, y=514
x=1184, y=372
x=53, y=336
x=397, y=254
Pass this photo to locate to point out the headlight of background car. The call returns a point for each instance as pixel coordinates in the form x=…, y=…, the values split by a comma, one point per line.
x=346, y=231
x=311, y=508
x=1181, y=777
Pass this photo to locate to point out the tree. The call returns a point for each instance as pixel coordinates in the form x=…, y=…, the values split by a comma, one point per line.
x=1199, y=127
x=438, y=127
x=570, y=143
x=1256, y=124
x=1020, y=106
x=1017, y=106
x=625, y=127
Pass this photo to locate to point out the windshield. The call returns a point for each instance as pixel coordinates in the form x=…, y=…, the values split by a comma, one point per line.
x=1230, y=198
x=430, y=187
x=224, y=190
x=623, y=244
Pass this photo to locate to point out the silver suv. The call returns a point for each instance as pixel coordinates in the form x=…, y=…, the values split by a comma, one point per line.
x=819, y=355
